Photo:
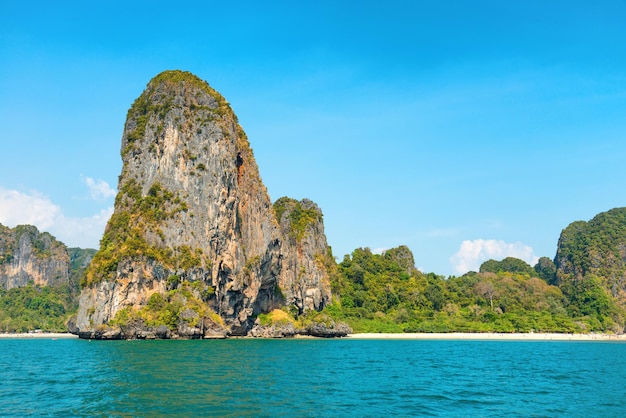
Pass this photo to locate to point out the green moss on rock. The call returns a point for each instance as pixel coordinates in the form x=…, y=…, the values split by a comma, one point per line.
x=137, y=216
x=181, y=304
x=156, y=102
x=299, y=216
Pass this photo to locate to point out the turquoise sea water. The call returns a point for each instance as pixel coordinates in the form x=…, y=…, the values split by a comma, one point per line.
x=324, y=378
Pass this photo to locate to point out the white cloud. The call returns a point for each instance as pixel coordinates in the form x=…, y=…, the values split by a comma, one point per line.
x=34, y=209
x=99, y=189
x=472, y=254
x=17, y=208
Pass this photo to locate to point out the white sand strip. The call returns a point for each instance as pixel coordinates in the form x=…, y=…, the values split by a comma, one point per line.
x=39, y=335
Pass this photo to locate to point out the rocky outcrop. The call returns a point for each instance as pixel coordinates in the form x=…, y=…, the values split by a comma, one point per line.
x=274, y=331
x=332, y=330
x=304, y=278
x=278, y=324
x=27, y=255
x=194, y=223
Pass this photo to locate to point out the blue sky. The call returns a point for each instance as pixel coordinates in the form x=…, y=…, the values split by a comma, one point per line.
x=466, y=130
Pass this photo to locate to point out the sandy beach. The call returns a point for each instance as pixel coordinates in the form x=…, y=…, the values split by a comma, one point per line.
x=39, y=335
x=491, y=336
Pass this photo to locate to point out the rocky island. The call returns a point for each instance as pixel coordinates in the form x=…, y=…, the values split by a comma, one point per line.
x=195, y=248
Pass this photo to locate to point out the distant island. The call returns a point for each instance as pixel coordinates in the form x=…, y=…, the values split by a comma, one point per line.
x=196, y=249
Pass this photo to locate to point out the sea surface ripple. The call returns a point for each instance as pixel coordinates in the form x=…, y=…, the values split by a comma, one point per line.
x=312, y=378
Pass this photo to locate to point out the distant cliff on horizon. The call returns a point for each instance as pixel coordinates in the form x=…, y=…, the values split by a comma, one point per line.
x=39, y=279
x=27, y=255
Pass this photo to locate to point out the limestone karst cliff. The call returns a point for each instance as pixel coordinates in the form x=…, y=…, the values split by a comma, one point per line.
x=592, y=256
x=194, y=248
x=27, y=255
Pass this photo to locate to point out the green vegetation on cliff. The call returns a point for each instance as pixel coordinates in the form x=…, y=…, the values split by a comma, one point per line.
x=136, y=217
x=299, y=216
x=153, y=106
x=595, y=247
x=591, y=265
x=185, y=302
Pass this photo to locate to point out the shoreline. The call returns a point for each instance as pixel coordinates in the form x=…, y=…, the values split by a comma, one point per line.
x=38, y=335
x=489, y=336
x=459, y=336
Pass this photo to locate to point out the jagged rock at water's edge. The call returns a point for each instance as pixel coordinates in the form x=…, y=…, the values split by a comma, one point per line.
x=193, y=242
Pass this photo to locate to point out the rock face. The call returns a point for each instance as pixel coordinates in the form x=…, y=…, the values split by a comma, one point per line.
x=304, y=278
x=26, y=255
x=193, y=224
